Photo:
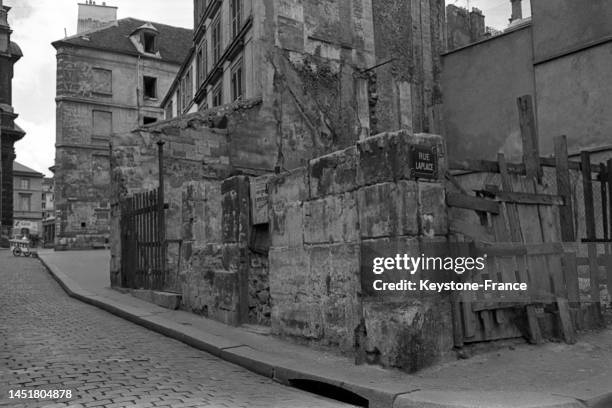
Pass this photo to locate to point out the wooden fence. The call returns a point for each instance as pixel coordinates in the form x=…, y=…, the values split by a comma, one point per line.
x=556, y=207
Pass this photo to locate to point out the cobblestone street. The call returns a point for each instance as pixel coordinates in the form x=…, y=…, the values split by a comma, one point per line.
x=49, y=341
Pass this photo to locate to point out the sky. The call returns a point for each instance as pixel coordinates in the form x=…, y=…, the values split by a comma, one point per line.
x=36, y=23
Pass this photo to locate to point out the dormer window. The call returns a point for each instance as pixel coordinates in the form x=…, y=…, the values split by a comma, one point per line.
x=145, y=39
x=149, y=42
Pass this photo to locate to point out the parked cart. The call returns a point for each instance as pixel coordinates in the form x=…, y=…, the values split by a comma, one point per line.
x=22, y=247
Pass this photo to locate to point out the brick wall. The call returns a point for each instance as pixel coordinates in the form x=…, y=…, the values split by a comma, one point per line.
x=327, y=221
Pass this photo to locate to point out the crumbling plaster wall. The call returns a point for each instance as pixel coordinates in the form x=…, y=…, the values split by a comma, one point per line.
x=327, y=221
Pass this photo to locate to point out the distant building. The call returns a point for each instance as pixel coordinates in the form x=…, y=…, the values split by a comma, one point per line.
x=47, y=198
x=9, y=131
x=48, y=211
x=28, y=193
x=561, y=55
x=111, y=77
x=464, y=27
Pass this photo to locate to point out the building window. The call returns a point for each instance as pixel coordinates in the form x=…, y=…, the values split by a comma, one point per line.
x=184, y=94
x=24, y=184
x=199, y=66
x=216, y=40
x=102, y=81
x=179, y=102
x=149, y=41
x=147, y=120
x=200, y=8
x=25, y=202
x=236, y=6
x=150, y=87
x=168, y=110
x=189, y=86
x=217, y=96
x=238, y=80
x=204, y=60
x=102, y=123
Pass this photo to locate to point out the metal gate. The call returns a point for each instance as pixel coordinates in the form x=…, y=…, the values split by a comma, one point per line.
x=144, y=248
x=143, y=243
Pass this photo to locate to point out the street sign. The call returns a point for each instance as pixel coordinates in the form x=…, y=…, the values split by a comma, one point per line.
x=423, y=161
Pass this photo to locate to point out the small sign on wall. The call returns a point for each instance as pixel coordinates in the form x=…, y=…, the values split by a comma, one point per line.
x=259, y=200
x=424, y=162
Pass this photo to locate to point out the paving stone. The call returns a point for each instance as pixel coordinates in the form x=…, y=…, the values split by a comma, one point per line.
x=60, y=343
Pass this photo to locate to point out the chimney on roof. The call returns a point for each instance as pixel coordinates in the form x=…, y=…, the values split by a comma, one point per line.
x=92, y=16
x=517, y=10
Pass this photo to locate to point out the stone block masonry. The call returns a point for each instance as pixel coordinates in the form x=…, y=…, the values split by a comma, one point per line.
x=211, y=261
x=328, y=220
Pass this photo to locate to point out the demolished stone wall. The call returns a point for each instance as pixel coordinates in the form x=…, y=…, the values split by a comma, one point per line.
x=208, y=219
x=327, y=221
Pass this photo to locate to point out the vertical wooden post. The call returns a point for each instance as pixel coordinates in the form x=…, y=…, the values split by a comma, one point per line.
x=608, y=182
x=589, y=217
x=603, y=176
x=564, y=189
x=160, y=208
x=529, y=136
x=521, y=262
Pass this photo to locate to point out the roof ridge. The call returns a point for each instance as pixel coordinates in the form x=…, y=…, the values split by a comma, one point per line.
x=24, y=169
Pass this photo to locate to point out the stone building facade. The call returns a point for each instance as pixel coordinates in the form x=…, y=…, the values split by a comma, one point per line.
x=28, y=199
x=10, y=133
x=109, y=79
x=316, y=79
x=344, y=69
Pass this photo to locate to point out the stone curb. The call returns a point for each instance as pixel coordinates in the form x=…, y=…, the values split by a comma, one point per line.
x=269, y=366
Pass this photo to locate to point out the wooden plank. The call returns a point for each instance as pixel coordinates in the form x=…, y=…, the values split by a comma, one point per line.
x=572, y=165
x=608, y=265
x=484, y=166
x=555, y=269
x=602, y=260
x=517, y=248
x=529, y=215
x=570, y=274
x=511, y=210
x=609, y=185
x=564, y=189
x=589, y=216
x=508, y=303
x=490, y=166
x=516, y=235
x=604, y=199
x=608, y=247
x=455, y=183
x=472, y=203
x=458, y=249
x=594, y=277
x=498, y=222
x=565, y=320
x=587, y=186
x=527, y=198
x=529, y=136
x=472, y=230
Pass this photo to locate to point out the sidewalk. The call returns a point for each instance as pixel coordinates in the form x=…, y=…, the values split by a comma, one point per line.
x=548, y=376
